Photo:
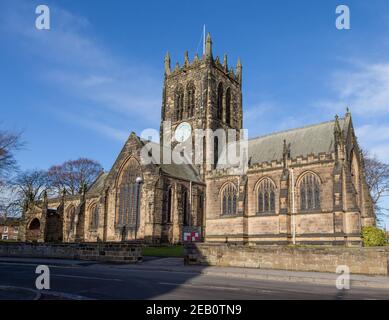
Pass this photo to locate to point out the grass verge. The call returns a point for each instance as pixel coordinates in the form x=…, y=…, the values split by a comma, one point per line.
x=168, y=251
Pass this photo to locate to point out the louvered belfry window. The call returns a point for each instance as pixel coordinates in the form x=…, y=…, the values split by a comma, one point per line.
x=191, y=99
x=179, y=104
x=228, y=107
x=220, y=101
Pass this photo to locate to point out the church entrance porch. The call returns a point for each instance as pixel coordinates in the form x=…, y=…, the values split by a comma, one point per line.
x=33, y=230
x=54, y=232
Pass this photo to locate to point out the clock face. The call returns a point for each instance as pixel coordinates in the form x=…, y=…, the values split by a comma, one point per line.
x=183, y=132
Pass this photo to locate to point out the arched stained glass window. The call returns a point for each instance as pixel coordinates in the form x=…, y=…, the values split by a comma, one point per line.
x=94, y=217
x=229, y=199
x=261, y=207
x=272, y=201
x=266, y=196
x=303, y=198
x=129, y=194
x=224, y=206
x=309, y=192
x=167, y=205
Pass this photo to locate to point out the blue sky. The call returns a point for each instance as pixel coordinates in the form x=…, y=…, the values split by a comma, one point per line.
x=82, y=87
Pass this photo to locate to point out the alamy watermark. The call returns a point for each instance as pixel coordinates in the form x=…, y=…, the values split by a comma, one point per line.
x=224, y=149
x=42, y=282
x=343, y=280
x=42, y=21
x=343, y=20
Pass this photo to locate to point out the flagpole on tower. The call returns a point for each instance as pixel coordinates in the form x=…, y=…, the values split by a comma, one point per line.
x=204, y=40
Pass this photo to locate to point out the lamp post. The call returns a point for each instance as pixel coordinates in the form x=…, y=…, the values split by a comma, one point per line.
x=139, y=181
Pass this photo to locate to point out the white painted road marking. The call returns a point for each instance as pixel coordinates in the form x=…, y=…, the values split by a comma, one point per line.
x=85, y=277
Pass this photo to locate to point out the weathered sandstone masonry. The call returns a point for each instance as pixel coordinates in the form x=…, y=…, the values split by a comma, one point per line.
x=302, y=186
x=109, y=252
x=369, y=261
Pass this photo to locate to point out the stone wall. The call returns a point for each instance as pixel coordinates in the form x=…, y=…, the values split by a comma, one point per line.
x=110, y=252
x=370, y=261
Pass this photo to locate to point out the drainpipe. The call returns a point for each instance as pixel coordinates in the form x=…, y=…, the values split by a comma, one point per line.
x=190, y=204
x=293, y=210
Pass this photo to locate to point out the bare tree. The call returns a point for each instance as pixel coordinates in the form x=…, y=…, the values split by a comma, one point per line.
x=9, y=143
x=377, y=178
x=73, y=175
x=27, y=188
x=3, y=199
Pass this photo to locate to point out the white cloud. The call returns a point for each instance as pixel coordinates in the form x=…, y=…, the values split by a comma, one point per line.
x=259, y=119
x=381, y=151
x=72, y=61
x=95, y=125
x=376, y=139
x=373, y=133
x=365, y=88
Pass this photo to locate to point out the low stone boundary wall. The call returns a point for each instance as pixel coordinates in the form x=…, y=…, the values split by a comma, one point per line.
x=107, y=251
x=369, y=261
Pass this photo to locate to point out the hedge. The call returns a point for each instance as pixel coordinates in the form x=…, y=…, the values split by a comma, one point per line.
x=373, y=237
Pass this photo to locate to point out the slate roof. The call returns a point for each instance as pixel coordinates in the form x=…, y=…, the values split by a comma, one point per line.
x=98, y=185
x=312, y=139
x=180, y=171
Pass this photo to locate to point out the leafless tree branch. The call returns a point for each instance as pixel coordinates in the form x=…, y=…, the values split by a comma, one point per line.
x=377, y=179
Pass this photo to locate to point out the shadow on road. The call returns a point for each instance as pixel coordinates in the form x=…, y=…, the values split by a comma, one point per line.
x=150, y=279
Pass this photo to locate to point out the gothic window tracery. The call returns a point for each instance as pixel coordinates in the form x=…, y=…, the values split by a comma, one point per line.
x=309, y=192
x=266, y=196
x=94, y=217
x=229, y=199
x=129, y=194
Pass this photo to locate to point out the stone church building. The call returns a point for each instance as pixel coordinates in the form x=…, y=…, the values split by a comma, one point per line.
x=304, y=185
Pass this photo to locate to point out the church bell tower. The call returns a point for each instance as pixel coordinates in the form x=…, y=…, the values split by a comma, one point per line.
x=201, y=94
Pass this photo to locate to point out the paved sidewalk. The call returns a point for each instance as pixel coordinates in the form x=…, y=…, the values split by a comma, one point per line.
x=53, y=261
x=177, y=265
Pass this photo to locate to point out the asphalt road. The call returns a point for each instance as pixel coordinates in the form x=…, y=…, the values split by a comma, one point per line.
x=103, y=281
